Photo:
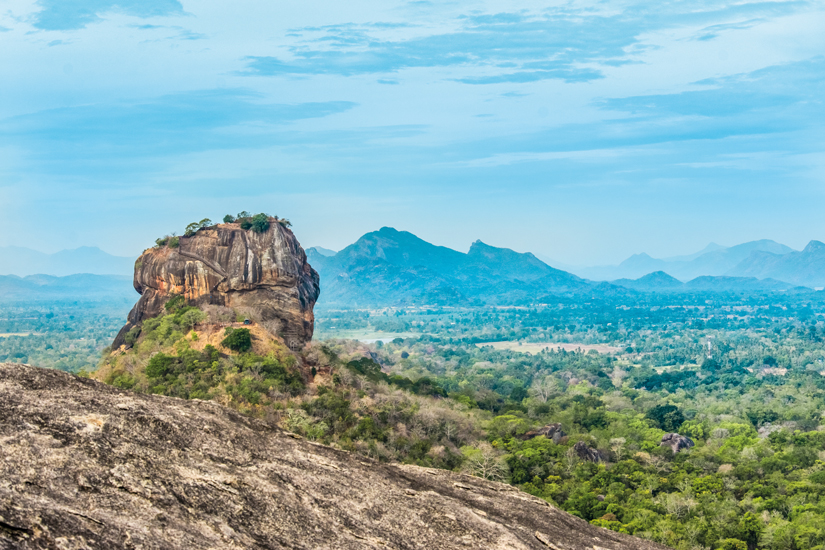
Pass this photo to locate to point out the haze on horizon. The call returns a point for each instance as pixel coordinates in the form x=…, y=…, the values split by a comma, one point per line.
x=581, y=131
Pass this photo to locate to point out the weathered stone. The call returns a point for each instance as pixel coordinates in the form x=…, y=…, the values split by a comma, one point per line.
x=550, y=431
x=676, y=442
x=264, y=275
x=588, y=453
x=85, y=465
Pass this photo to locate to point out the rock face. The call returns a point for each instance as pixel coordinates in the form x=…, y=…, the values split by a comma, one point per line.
x=84, y=465
x=264, y=275
x=676, y=442
x=587, y=453
x=550, y=431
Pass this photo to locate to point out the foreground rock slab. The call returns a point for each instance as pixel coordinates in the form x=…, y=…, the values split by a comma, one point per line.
x=84, y=465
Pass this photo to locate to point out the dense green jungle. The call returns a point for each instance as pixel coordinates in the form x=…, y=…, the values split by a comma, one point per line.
x=462, y=388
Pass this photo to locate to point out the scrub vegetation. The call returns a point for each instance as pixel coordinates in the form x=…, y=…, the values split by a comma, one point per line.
x=742, y=377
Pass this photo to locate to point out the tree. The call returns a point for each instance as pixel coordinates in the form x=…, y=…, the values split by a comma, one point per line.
x=191, y=229
x=194, y=227
x=544, y=388
x=260, y=223
x=666, y=417
x=229, y=218
x=239, y=340
x=484, y=461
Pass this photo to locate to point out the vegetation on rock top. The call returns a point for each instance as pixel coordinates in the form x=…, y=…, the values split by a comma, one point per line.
x=259, y=223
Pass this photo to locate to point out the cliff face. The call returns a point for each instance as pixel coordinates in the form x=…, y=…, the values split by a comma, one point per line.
x=264, y=275
x=85, y=465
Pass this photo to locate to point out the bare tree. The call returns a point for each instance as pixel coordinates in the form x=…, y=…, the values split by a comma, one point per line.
x=486, y=462
x=570, y=460
x=546, y=387
x=676, y=504
x=617, y=376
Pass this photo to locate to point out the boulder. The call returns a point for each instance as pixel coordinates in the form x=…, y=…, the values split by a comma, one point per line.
x=585, y=452
x=265, y=276
x=550, y=431
x=676, y=442
x=85, y=465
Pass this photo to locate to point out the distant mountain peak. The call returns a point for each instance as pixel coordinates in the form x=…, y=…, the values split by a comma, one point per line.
x=659, y=276
x=326, y=252
x=658, y=280
x=396, y=267
x=85, y=259
x=387, y=230
x=478, y=246
x=814, y=246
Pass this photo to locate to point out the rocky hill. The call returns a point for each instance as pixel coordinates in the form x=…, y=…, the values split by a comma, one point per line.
x=263, y=275
x=85, y=465
x=395, y=268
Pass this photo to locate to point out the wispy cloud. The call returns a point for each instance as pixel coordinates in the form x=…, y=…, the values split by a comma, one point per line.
x=713, y=31
x=168, y=125
x=76, y=14
x=569, y=44
x=784, y=90
x=537, y=47
x=566, y=74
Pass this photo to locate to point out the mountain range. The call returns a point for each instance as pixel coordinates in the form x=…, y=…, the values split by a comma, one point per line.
x=83, y=287
x=714, y=260
x=661, y=282
x=391, y=267
x=20, y=261
x=395, y=268
x=806, y=267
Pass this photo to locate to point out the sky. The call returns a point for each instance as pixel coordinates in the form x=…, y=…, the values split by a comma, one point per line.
x=581, y=131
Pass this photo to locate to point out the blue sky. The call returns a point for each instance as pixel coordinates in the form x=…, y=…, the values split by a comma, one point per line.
x=583, y=131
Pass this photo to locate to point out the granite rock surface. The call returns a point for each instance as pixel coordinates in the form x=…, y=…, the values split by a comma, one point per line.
x=264, y=276
x=88, y=466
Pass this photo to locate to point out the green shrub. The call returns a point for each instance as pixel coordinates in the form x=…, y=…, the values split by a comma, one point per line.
x=132, y=336
x=125, y=381
x=175, y=303
x=732, y=544
x=260, y=223
x=159, y=365
x=229, y=218
x=174, y=242
x=239, y=340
